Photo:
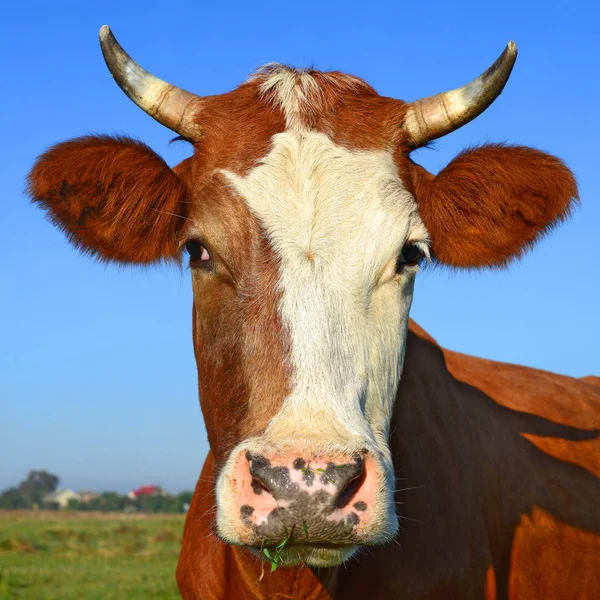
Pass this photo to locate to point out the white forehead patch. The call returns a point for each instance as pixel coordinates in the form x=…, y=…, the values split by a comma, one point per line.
x=337, y=219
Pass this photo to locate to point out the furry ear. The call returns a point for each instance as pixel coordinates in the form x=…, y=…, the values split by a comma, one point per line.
x=114, y=197
x=492, y=203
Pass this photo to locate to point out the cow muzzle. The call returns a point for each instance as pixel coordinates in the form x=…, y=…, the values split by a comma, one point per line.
x=321, y=508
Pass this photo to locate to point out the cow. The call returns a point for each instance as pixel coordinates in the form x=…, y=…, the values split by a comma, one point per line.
x=350, y=455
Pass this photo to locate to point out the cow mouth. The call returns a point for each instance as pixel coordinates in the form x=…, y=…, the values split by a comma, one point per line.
x=320, y=556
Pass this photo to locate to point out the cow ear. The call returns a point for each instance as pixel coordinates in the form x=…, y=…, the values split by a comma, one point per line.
x=492, y=203
x=114, y=198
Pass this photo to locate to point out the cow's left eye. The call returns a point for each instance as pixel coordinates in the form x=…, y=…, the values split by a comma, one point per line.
x=411, y=255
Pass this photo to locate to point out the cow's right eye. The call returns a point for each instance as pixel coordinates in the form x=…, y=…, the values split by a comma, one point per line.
x=199, y=255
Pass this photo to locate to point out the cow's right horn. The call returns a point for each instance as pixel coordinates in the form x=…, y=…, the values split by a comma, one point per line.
x=169, y=105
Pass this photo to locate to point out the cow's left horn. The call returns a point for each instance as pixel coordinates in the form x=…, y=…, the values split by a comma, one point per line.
x=435, y=116
x=169, y=105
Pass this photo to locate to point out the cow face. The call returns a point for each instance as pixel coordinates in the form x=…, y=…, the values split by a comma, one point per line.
x=303, y=270
x=305, y=221
x=303, y=261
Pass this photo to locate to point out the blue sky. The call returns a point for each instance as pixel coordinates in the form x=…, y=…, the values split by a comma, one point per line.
x=97, y=377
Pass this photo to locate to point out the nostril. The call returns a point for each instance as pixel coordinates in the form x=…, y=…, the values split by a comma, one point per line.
x=263, y=474
x=351, y=489
x=258, y=487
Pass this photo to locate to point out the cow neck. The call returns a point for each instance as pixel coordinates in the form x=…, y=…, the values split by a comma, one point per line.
x=211, y=569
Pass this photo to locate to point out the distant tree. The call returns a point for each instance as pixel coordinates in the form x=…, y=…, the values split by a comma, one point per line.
x=111, y=501
x=152, y=503
x=94, y=504
x=171, y=505
x=158, y=503
x=11, y=499
x=36, y=486
x=75, y=504
x=130, y=504
x=185, y=497
x=182, y=501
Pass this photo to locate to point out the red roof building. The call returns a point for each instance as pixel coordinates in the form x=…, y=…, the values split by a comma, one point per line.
x=146, y=490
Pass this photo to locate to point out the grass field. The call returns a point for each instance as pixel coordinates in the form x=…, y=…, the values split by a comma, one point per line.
x=63, y=556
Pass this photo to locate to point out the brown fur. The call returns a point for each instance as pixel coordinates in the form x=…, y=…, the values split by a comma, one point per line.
x=238, y=335
x=491, y=203
x=591, y=379
x=487, y=513
x=346, y=108
x=113, y=197
x=238, y=127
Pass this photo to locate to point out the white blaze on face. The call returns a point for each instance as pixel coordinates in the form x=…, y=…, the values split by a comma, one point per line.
x=338, y=220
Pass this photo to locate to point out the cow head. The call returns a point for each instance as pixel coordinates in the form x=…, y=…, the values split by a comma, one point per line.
x=305, y=221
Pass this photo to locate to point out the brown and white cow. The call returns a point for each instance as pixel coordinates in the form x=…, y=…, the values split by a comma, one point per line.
x=305, y=221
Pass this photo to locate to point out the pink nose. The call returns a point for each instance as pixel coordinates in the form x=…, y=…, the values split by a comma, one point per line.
x=312, y=500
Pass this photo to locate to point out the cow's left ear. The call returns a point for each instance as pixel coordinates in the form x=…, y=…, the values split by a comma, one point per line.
x=492, y=203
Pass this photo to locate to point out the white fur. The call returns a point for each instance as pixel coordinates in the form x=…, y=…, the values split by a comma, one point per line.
x=292, y=91
x=338, y=220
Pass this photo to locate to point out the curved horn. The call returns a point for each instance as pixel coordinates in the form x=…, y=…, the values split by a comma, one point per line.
x=435, y=116
x=169, y=105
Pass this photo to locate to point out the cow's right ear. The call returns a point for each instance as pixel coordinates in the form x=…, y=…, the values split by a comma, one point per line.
x=114, y=197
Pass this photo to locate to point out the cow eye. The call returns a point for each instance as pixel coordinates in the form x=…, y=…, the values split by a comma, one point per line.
x=199, y=255
x=411, y=255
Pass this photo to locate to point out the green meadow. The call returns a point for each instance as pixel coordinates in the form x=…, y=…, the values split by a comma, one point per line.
x=65, y=555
